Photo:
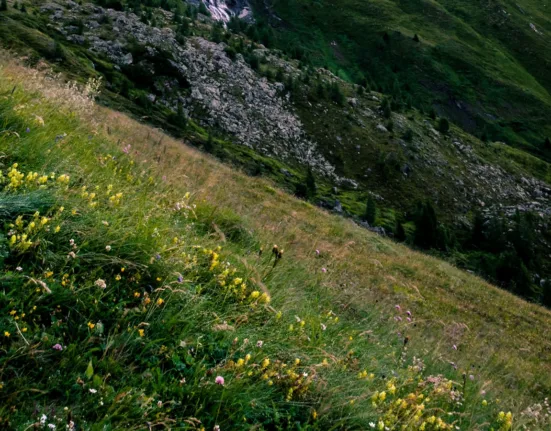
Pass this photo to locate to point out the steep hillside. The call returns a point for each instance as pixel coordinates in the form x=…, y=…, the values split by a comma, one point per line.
x=141, y=290
x=367, y=155
x=486, y=66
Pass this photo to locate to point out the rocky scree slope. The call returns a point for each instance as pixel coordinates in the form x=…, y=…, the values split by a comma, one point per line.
x=198, y=74
x=228, y=95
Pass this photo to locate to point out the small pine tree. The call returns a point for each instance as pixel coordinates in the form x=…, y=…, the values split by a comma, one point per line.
x=217, y=33
x=408, y=135
x=484, y=136
x=320, y=90
x=336, y=94
x=23, y=8
x=370, y=211
x=415, y=38
x=547, y=144
x=385, y=107
x=399, y=231
x=477, y=232
x=209, y=144
x=203, y=9
x=254, y=62
x=311, y=188
x=426, y=226
x=443, y=125
x=432, y=114
x=3, y=5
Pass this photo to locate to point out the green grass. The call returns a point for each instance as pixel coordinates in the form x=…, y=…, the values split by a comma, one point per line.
x=344, y=135
x=125, y=315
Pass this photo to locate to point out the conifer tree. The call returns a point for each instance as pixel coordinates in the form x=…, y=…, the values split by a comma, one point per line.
x=311, y=187
x=443, y=125
x=370, y=210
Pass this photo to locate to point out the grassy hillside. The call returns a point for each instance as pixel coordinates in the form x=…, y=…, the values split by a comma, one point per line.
x=389, y=157
x=141, y=290
x=485, y=66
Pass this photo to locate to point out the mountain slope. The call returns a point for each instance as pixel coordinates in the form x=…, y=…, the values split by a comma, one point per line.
x=486, y=66
x=486, y=207
x=128, y=315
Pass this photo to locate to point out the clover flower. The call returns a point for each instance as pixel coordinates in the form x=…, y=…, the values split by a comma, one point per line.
x=57, y=347
x=219, y=380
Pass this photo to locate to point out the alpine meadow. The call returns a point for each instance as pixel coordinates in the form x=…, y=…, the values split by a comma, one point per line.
x=275, y=215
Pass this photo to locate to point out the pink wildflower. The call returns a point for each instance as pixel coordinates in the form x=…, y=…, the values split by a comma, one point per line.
x=219, y=380
x=454, y=347
x=408, y=313
x=317, y=252
x=324, y=270
x=398, y=307
x=57, y=347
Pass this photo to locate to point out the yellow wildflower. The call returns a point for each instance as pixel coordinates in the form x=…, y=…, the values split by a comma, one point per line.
x=264, y=299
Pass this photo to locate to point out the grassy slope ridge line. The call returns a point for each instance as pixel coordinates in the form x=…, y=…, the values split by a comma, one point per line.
x=134, y=294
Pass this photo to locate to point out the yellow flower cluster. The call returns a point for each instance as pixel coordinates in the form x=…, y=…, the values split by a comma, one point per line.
x=505, y=420
x=410, y=409
x=15, y=179
x=362, y=375
x=294, y=381
x=22, y=233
